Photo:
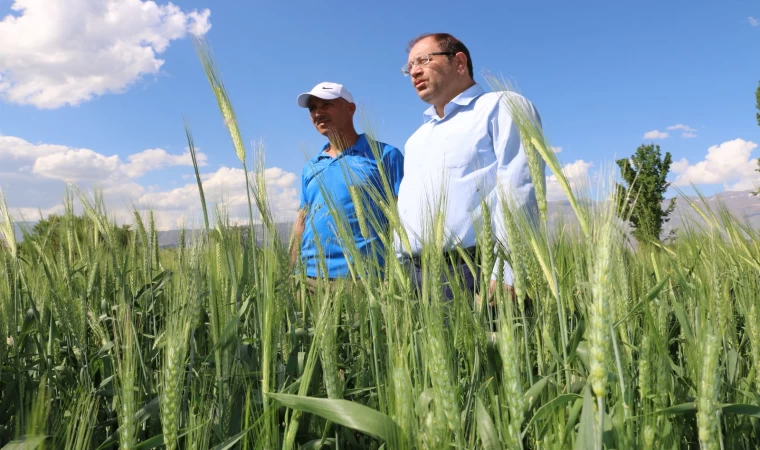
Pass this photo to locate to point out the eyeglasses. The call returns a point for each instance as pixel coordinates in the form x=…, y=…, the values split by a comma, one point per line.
x=421, y=61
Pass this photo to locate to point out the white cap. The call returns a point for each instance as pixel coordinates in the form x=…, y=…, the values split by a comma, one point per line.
x=325, y=91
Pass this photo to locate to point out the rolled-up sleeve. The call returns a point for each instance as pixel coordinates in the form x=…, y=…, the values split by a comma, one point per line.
x=512, y=173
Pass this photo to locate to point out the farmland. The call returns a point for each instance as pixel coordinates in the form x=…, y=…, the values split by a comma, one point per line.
x=217, y=344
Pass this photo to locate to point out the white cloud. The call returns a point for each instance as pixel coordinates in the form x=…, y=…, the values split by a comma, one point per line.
x=557, y=149
x=81, y=164
x=157, y=158
x=123, y=190
x=33, y=214
x=278, y=177
x=77, y=165
x=656, y=134
x=227, y=185
x=577, y=174
x=56, y=53
x=688, y=132
x=680, y=166
x=755, y=22
x=680, y=126
x=16, y=148
x=729, y=163
x=40, y=187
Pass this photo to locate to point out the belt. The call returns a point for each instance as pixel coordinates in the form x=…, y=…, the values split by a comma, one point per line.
x=450, y=255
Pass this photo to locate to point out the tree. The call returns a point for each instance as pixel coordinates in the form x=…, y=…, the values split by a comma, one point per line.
x=641, y=200
x=52, y=232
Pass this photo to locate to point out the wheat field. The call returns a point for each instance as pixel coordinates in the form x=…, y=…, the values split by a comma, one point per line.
x=109, y=341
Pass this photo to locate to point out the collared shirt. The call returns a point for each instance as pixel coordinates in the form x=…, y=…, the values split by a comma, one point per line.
x=326, y=196
x=453, y=162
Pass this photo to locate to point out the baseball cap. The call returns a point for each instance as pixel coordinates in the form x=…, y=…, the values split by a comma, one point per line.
x=325, y=91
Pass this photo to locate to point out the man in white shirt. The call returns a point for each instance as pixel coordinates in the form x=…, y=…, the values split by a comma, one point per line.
x=467, y=150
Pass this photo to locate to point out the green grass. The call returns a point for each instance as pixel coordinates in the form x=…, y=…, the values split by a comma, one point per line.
x=216, y=344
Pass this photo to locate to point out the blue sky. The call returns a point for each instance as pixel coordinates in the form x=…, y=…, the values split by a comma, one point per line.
x=81, y=89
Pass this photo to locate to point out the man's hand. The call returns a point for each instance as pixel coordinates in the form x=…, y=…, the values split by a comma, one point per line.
x=507, y=288
x=297, y=234
x=492, y=293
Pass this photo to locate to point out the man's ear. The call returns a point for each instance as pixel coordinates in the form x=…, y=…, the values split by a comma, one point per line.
x=352, y=107
x=461, y=62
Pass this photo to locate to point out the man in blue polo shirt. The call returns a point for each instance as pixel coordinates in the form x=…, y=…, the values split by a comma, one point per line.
x=346, y=170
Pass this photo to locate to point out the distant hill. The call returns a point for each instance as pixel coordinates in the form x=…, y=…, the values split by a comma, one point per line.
x=170, y=238
x=742, y=204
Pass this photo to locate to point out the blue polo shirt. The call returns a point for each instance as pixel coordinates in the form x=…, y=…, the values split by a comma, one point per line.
x=325, y=181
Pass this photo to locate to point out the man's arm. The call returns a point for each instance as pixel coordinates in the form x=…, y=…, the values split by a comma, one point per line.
x=393, y=160
x=300, y=225
x=296, y=236
x=513, y=173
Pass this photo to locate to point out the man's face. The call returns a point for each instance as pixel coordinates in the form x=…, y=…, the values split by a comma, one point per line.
x=430, y=80
x=330, y=116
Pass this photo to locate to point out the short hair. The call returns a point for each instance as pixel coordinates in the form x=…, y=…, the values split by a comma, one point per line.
x=448, y=43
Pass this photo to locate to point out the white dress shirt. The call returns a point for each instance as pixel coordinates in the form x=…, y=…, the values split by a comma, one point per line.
x=451, y=163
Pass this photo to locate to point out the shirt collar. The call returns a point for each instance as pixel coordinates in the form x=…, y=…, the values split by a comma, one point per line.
x=463, y=99
x=357, y=147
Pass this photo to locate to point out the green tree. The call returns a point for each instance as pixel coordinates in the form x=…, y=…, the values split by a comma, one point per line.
x=51, y=231
x=641, y=200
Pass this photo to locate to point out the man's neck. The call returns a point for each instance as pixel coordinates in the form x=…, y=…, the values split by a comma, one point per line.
x=441, y=106
x=340, y=141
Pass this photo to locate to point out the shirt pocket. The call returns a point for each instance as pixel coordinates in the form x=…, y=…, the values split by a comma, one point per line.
x=455, y=157
x=460, y=150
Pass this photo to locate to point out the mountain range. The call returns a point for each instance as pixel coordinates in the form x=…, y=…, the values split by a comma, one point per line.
x=742, y=204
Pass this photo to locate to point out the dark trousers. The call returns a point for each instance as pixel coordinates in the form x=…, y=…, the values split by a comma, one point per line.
x=453, y=273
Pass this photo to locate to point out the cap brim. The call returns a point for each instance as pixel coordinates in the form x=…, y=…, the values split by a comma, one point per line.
x=303, y=99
